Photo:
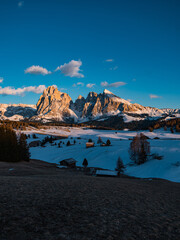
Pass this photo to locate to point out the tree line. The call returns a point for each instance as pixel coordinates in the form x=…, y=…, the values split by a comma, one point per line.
x=13, y=148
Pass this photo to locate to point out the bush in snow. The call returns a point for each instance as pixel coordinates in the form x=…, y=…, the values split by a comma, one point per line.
x=139, y=149
x=156, y=156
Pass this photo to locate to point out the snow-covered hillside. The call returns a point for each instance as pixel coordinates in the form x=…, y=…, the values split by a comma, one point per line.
x=105, y=157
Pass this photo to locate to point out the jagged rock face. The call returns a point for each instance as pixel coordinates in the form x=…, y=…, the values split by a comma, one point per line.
x=54, y=103
x=103, y=103
x=79, y=103
x=106, y=103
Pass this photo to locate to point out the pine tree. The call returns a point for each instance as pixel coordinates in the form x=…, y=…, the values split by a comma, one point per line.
x=24, y=154
x=85, y=163
x=108, y=142
x=12, y=149
x=99, y=140
x=119, y=166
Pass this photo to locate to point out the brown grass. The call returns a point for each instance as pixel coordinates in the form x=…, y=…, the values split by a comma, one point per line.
x=40, y=201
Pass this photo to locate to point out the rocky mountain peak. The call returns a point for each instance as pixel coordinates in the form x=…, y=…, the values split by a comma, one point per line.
x=80, y=97
x=54, y=103
x=107, y=92
x=91, y=96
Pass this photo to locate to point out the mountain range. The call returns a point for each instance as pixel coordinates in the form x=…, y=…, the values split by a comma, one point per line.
x=54, y=105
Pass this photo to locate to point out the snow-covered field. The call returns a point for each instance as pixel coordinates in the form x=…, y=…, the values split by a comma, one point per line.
x=106, y=157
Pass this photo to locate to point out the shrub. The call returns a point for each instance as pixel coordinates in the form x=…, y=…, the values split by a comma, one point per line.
x=172, y=130
x=156, y=156
x=151, y=129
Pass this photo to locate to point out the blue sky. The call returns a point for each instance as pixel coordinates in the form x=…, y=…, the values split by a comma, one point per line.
x=67, y=43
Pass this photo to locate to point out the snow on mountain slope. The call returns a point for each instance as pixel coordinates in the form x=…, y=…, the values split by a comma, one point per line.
x=16, y=112
x=58, y=106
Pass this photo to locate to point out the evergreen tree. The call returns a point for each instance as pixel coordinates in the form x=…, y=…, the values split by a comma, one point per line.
x=99, y=140
x=119, y=166
x=108, y=142
x=12, y=149
x=24, y=154
x=85, y=163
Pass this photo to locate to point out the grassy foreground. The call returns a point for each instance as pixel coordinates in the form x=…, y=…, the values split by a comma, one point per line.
x=40, y=201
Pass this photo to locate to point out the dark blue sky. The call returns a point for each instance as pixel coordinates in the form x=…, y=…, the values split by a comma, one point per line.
x=142, y=37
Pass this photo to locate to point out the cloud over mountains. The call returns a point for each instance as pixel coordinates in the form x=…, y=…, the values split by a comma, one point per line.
x=115, y=84
x=21, y=91
x=71, y=69
x=37, y=70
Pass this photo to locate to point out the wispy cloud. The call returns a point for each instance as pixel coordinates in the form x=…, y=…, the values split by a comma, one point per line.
x=37, y=70
x=154, y=96
x=21, y=91
x=1, y=79
x=90, y=85
x=78, y=84
x=109, y=60
x=20, y=3
x=63, y=89
x=71, y=69
x=115, y=84
x=114, y=68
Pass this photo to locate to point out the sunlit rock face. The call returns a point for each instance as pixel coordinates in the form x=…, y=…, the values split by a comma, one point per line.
x=58, y=106
x=55, y=104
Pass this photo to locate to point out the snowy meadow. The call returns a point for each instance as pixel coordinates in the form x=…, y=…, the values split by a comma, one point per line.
x=166, y=144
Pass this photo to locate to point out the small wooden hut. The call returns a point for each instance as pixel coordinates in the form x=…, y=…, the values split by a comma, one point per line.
x=89, y=144
x=69, y=162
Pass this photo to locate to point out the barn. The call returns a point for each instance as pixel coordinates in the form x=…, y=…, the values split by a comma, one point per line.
x=89, y=144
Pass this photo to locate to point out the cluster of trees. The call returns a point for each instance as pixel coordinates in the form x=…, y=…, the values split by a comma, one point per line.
x=172, y=124
x=13, y=148
x=19, y=125
x=139, y=152
x=48, y=139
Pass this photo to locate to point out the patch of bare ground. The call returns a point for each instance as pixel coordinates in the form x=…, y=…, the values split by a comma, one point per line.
x=39, y=201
